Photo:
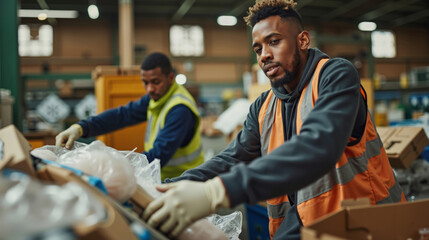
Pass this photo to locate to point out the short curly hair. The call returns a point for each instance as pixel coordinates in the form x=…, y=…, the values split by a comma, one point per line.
x=267, y=8
x=155, y=60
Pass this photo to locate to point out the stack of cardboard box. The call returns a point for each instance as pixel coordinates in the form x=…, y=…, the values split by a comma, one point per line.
x=359, y=220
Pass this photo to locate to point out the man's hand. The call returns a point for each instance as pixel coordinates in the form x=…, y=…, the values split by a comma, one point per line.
x=67, y=137
x=183, y=203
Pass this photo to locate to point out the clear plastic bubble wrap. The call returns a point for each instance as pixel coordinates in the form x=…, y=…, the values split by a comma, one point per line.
x=146, y=175
x=28, y=206
x=230, y=224
x=110, y=165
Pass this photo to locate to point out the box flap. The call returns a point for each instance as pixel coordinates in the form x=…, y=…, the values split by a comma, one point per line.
x=141, y=197
x=403, y=144
x=385, y=221
x=332, y=224
x=16, y=151
x=360, y=202
x=390, y=221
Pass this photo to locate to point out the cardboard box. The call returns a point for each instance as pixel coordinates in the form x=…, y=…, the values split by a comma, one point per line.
x=207, y=129
x=255, y=90
x=140, y=200
x=115, y=227
x=109, y=70
x=15, y=151
x=403, y=144
x=386, y=221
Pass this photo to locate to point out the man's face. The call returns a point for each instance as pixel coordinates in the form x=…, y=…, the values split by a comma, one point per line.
x=156, y=83
x=276, y=47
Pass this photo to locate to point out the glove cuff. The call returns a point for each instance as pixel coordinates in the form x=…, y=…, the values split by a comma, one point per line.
x=79, y=128
x=216, y=192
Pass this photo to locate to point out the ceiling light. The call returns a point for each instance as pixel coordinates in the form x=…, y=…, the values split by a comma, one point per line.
x=34, y=13
x=42, y=16
x=181, y=79
x=367, y=26
x=93, y=11
x=226, y=20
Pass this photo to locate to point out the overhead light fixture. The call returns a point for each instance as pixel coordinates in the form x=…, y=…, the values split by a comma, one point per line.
x=226, y=20
x=181, y=79
x=367, y=26
x=36, y=13
x=93, y=11
x=42, y=16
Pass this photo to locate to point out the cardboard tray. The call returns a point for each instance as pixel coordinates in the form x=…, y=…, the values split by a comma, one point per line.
x=386, y=221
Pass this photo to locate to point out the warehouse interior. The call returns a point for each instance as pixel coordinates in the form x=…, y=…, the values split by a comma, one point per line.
x=59, y=69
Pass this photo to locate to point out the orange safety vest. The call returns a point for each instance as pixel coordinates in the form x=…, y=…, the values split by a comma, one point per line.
x=363, y=170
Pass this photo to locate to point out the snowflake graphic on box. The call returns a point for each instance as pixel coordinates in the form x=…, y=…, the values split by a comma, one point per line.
x=52, y=109
x=86, y=107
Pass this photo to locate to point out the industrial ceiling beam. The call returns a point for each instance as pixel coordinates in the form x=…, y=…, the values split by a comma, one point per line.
x=386, y=8
x=183, y=9
x=44, y=5
x=240, y=8
x=411, y=18
x=343, y=9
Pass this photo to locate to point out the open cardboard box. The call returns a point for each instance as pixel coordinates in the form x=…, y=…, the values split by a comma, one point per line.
x=115, y=227
x=140, y=200
x=403, y=144
x=15, y=151
x=375, y=222
x=16, y=155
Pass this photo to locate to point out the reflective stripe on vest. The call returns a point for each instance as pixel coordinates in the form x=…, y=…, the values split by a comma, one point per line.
x=185, y=159
x=363, y=169
x=160, y=125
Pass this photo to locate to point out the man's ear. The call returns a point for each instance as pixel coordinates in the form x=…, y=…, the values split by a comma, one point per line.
x=303, y=40
x=171, y=77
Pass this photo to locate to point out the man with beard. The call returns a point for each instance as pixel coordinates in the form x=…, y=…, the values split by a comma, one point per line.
x=172, y=133
x=307, y=144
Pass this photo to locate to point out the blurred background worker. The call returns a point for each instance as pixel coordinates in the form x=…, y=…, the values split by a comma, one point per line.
x=172, y=133
x=307, y=144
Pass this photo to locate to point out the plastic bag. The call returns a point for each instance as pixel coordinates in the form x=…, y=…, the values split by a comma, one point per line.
x=28, y=207
x=136, y=160
x=52, y=152
x=230, y=224
x=202, y=229
x=106, y=163
x=150, y=175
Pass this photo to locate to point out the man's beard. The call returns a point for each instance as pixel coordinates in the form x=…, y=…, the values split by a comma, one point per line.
x=289, y=76
x=284, y=80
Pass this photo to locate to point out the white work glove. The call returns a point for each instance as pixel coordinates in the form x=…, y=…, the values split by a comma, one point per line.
x=67, y=137
x=183, y=203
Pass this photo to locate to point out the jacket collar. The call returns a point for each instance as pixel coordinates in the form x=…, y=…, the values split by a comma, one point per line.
x=314, y=55
x=158, y=105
